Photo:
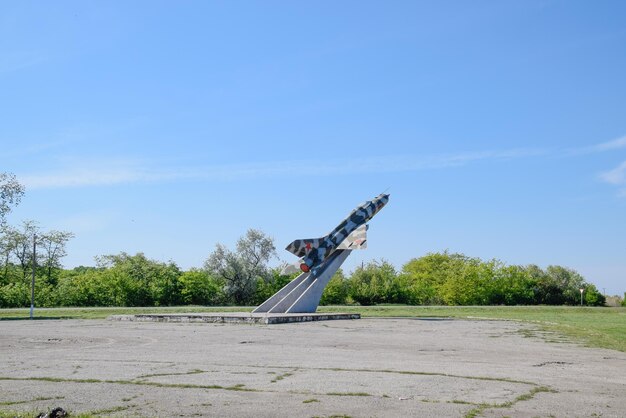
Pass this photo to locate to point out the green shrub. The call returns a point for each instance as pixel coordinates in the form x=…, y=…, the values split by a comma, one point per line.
x=336, y=291
x=199, y=288
x=376, y=282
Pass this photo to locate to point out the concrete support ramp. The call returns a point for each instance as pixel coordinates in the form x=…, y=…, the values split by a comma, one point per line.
x=303, y=294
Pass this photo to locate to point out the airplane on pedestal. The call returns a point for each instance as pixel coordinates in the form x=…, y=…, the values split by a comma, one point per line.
x=350, y=234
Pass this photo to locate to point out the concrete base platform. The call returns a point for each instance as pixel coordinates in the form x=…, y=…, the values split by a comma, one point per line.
x=236, y=317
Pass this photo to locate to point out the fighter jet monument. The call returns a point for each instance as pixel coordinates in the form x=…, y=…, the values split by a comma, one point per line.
x=319, y=260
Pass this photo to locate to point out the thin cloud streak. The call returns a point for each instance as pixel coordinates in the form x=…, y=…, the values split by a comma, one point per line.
x=12, y=61
x=616, y=176
x=35, y=149
x=116, y=172
x=615, y=144
x=611, y=145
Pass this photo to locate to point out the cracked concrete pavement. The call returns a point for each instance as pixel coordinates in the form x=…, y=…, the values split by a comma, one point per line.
x=365, y=368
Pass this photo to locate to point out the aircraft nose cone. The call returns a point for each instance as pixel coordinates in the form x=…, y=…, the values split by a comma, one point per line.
x=381, y=201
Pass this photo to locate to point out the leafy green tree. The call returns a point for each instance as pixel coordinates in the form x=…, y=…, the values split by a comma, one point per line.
x=76, y=288
x=592, y=296
x=417, y=280
x=241, y=270
x=199, y=288
x=374, y=283
x=11, y=192
x=548, y=290
x=5, y=254
x=336, y=291
x=423, y=278
x=513, y=285
x=568, y=281
x=266, y=287
x=52, y=245
x=10, y=272
x=15, y=295
x=139, y=281
x=470, y=284
x=20, y=244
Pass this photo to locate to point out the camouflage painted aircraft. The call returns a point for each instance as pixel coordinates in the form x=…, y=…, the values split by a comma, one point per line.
x=350, y=234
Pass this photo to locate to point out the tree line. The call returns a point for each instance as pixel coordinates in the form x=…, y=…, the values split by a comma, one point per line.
x=241, y=277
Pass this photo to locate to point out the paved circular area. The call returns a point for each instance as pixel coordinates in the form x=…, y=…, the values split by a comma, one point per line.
x=363, y=368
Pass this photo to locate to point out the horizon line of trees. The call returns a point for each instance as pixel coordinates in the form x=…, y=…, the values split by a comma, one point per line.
x=241, y=277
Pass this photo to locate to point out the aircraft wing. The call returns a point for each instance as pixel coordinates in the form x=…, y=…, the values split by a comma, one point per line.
x=357, y=240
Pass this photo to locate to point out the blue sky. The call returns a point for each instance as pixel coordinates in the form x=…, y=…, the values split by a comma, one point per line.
x=166, y=127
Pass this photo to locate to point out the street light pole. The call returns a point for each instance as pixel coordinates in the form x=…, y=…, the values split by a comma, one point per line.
x=581, y=296
x=32, y=287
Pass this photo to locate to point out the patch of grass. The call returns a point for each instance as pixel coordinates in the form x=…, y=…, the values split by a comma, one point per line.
x=107, y=411
x=524, y=397
x=603, y=327
x=104, y=312
x=41, y=398
x=22, y=414
x=16, y=414
x=473, y=413
x=533, y=392
x=280, y=377
x=457, y=401
x=333, y=416
x=238, y=388
x=347, y=394
x=409, y=372
x=195, y=371
x=311, y=400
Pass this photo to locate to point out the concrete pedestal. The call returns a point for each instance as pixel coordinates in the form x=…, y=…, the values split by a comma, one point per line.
x=236, y=317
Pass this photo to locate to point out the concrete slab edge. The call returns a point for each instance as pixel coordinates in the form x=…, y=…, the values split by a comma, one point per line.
x=236, y=318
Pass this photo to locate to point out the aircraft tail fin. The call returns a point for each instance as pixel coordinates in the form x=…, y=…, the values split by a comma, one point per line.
x=301, y=247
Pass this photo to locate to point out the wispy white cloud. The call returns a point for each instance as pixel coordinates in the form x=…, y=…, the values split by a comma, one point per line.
x=615, y=176
x=86, y=173
x=110, y=172
x=611, y=145
x=91, y=221
x=614, y=144
x=34, y=149
x=123, y=171
x=11, y=61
